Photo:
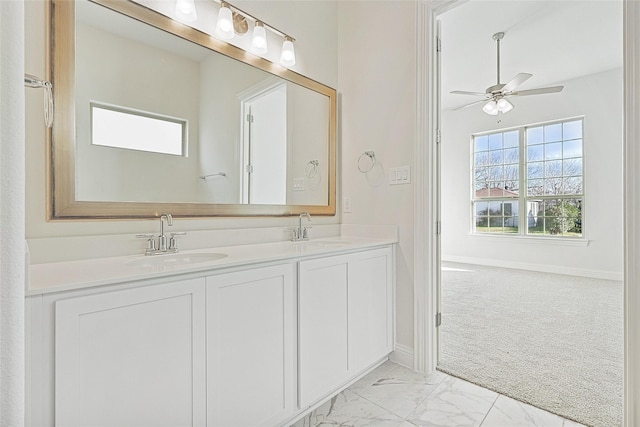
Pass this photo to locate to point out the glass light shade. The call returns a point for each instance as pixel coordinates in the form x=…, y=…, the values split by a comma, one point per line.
x=288, y=55
x=186, y=10
x=491, y=107
x=224, y=26
x=259, y=39
x=504, y=106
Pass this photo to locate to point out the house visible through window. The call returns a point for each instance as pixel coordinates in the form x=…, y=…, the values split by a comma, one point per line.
x=536, y=170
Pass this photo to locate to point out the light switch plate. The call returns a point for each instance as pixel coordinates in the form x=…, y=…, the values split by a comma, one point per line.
x=400, y=175
x=298, y=184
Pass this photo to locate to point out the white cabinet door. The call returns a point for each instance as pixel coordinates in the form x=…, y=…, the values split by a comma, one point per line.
x=133, y=357
x=370, y=307
x=322, y=321
x=251, y=347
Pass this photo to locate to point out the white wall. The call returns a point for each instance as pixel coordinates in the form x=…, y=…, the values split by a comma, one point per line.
x=313, y=24
x=308, y=114
x=377, y=85
x=107, y=173
x=599, y=99
x=220, y=143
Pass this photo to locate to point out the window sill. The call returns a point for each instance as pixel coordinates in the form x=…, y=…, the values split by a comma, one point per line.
x=559, y=241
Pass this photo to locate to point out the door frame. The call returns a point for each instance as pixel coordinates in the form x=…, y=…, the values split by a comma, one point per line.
x=427, y=188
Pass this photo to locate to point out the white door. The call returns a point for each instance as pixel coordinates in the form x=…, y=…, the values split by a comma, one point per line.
x=134, y=357
x=266, y=148
x=251, y=347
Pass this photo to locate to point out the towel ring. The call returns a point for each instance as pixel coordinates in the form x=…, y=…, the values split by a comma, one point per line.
x=363, y=166
x=311, y=169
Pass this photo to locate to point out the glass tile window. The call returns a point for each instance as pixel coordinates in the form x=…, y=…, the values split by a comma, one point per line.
x=546, y=160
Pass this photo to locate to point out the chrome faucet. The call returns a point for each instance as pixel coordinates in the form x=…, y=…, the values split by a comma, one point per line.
x=162, y=239
x=161, y=247
x=300, y=233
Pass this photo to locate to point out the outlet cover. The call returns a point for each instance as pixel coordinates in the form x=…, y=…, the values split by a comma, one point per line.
x=346, y=204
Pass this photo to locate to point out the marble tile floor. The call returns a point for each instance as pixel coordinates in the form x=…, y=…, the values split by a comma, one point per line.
x=394, y=396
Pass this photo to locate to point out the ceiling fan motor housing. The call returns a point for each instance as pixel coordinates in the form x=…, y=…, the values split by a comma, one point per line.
x=495, y=89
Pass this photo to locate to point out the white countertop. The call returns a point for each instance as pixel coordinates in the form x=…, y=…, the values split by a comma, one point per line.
x=68, y=275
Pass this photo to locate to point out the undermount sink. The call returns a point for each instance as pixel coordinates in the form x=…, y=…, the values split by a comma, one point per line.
x=174, y=260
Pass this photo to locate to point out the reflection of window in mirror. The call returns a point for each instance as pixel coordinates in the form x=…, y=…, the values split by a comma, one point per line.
x=121, y=127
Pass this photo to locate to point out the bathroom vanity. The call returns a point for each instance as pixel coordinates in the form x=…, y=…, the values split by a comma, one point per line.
x=251, y=335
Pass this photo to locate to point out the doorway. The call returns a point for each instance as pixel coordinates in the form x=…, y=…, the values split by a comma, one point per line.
x=264, y=144
x=491, y=253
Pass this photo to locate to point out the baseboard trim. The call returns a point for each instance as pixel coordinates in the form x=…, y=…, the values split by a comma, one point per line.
x=571, y=271
x=402, y=355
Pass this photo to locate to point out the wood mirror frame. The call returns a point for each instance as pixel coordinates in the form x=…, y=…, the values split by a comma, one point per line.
x=61, y=153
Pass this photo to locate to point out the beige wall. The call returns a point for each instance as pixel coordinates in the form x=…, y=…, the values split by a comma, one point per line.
x=377, y=83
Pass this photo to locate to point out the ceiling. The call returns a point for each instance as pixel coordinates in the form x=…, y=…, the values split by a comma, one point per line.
x=553, y=40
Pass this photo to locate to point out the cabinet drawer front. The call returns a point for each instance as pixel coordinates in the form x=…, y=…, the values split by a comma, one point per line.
x=132, y=357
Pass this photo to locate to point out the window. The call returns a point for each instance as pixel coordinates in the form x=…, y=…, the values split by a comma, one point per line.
x=544, y=159
x=121, y=127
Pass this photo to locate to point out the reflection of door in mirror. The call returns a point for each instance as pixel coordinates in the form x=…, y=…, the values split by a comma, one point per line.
x=265, y=145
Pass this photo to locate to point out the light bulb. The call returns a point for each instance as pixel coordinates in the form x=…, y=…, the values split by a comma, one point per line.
x=259, y=39
x=288, y=55
x=504, y=106
x=491, y=108
x=224, y=26
x=186, y=10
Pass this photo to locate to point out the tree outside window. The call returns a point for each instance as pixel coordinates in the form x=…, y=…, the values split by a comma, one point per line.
x=548, y=159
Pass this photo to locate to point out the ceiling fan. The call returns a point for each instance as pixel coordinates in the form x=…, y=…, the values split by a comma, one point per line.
x=495, y=96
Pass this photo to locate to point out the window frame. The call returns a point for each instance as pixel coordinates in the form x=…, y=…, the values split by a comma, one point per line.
x=523, y=198
x=184, y=123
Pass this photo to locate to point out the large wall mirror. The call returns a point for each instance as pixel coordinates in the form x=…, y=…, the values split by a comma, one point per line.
x=155, y=116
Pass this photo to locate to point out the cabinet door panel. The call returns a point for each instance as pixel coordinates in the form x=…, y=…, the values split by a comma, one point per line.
x=251, y=347
x=323, y=321
x=370, y=307
x=132, y=358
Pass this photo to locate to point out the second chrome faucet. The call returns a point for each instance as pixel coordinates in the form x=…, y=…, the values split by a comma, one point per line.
x=162, y=247
x=301, y=233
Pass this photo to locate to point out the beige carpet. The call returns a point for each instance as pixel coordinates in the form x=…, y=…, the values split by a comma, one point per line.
x=550, y=340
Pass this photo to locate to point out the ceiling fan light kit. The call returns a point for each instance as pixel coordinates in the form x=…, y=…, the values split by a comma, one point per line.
x=500, y=106
x=494, y=96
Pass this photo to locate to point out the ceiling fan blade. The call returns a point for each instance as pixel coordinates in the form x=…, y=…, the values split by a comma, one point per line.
x=464, y=92
x=515, y=82
x=539, y=91
x=468, y=105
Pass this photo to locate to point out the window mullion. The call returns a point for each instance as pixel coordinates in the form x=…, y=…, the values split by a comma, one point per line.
x=522, y=197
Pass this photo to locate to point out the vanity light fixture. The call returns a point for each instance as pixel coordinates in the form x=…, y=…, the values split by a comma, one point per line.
x=288, y=55
x=224, y=26
x=186, y=10
x=232, y=20
x=259, y=39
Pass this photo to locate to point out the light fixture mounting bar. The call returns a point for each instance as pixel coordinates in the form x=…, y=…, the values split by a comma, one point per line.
x=497, y=37
x=254, y=19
